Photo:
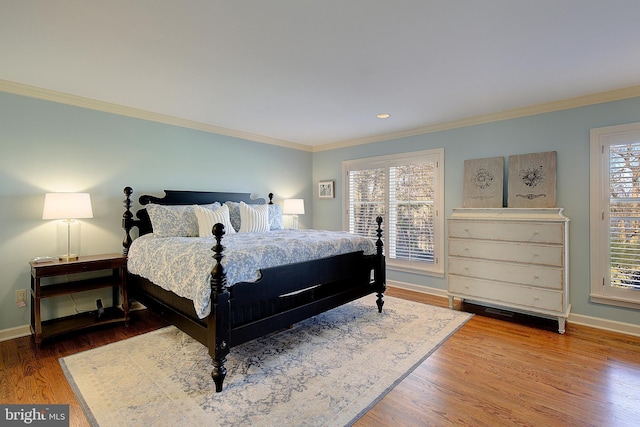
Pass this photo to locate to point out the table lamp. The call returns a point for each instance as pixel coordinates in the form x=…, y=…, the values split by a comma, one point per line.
x=68, y=208
x=293, y=207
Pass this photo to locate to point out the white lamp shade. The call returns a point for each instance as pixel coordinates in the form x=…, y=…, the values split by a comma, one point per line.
x=293, y=207
x=67, y=206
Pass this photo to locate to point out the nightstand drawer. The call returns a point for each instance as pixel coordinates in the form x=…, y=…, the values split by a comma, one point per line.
x=82, y=265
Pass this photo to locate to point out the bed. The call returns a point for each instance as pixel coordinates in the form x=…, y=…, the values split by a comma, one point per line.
x=234, y=311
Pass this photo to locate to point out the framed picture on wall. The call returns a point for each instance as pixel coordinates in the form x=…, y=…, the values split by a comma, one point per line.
x=483, y=183
x=325, y=190
x=532, y=180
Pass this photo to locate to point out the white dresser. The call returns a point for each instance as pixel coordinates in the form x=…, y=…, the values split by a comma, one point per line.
x=513, y=258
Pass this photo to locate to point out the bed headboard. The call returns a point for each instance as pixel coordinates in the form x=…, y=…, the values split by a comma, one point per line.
x=174, y=197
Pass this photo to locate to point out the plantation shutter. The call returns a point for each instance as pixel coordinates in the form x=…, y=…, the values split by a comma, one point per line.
x=401, y=189
x=411, y=210
x=366, y=200
x=624, y=215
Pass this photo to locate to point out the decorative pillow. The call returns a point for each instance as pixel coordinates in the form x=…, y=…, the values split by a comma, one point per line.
x=275, y=217
x=234, y=214
x=254, y=218
x=207, y=218
x=174, y=220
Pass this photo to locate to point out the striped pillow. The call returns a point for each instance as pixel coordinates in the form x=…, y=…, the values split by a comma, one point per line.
x=207, y=218
x=254, y=218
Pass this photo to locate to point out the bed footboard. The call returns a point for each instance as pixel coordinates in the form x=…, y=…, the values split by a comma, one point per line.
x=286, y=295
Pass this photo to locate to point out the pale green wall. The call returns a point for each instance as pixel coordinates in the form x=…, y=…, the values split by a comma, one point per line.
x=47, y=147
x=566, y=132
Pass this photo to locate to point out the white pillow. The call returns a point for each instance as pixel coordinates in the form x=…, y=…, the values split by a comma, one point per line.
x=207, y=218
x=254, y=218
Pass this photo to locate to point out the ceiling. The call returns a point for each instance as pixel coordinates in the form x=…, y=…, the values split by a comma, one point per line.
x=316, y=72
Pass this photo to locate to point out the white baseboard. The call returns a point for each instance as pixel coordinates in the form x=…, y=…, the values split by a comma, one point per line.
x=577, y=319
x=605, y=324
x=417, y=288
x=17, y=332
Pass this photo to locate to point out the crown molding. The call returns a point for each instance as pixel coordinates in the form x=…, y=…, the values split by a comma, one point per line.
x=107, y=107
x=565, y=104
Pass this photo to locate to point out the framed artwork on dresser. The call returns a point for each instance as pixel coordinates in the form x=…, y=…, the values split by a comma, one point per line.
x=483, y=183
x=532, y=180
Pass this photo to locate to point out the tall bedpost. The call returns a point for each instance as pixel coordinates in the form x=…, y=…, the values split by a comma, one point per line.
x=218, y=278
x=218, y=328
x=270, y=198
x=127, y=221
x=380, y=271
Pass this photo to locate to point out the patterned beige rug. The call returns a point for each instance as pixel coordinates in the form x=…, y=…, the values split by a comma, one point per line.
x=326, y=371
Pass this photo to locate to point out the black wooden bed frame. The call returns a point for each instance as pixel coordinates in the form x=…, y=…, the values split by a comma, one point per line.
x=244, y=311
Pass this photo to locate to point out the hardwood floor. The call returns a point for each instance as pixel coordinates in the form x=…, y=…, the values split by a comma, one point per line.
x=31, y=376
x=491, y=372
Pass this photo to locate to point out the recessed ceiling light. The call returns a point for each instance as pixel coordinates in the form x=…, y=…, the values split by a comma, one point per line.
x=383, y=115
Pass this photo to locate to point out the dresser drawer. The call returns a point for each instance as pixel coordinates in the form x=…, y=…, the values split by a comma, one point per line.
x=530, y=275
x=532, y=232
x=507, y=294
x=508, y=251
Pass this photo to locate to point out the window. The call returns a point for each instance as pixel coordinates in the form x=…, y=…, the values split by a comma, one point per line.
x=407, y=191
x=615, y=215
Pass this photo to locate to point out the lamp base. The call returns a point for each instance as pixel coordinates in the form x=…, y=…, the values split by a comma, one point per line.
x=68, y=240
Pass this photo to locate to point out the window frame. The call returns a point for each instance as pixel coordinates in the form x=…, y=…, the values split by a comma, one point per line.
x=600, y=141
x=435, y=268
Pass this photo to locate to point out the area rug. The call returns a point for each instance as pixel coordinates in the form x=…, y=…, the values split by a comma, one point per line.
x=326, y=371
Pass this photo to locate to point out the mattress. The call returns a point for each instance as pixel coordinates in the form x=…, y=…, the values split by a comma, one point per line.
x=183, y=264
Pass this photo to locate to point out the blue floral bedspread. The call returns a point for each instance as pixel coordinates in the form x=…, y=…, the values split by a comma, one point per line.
x=183, y=264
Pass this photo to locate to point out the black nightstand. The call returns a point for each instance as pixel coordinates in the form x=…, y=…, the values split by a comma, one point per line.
x=117, y=263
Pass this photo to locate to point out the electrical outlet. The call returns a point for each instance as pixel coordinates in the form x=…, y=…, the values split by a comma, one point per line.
x=21, y=297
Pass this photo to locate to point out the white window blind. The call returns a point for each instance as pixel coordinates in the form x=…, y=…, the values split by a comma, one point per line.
x=367, y=195
x=624, y=215
x=411, y=211
x=615, y=215
x=406, y=191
